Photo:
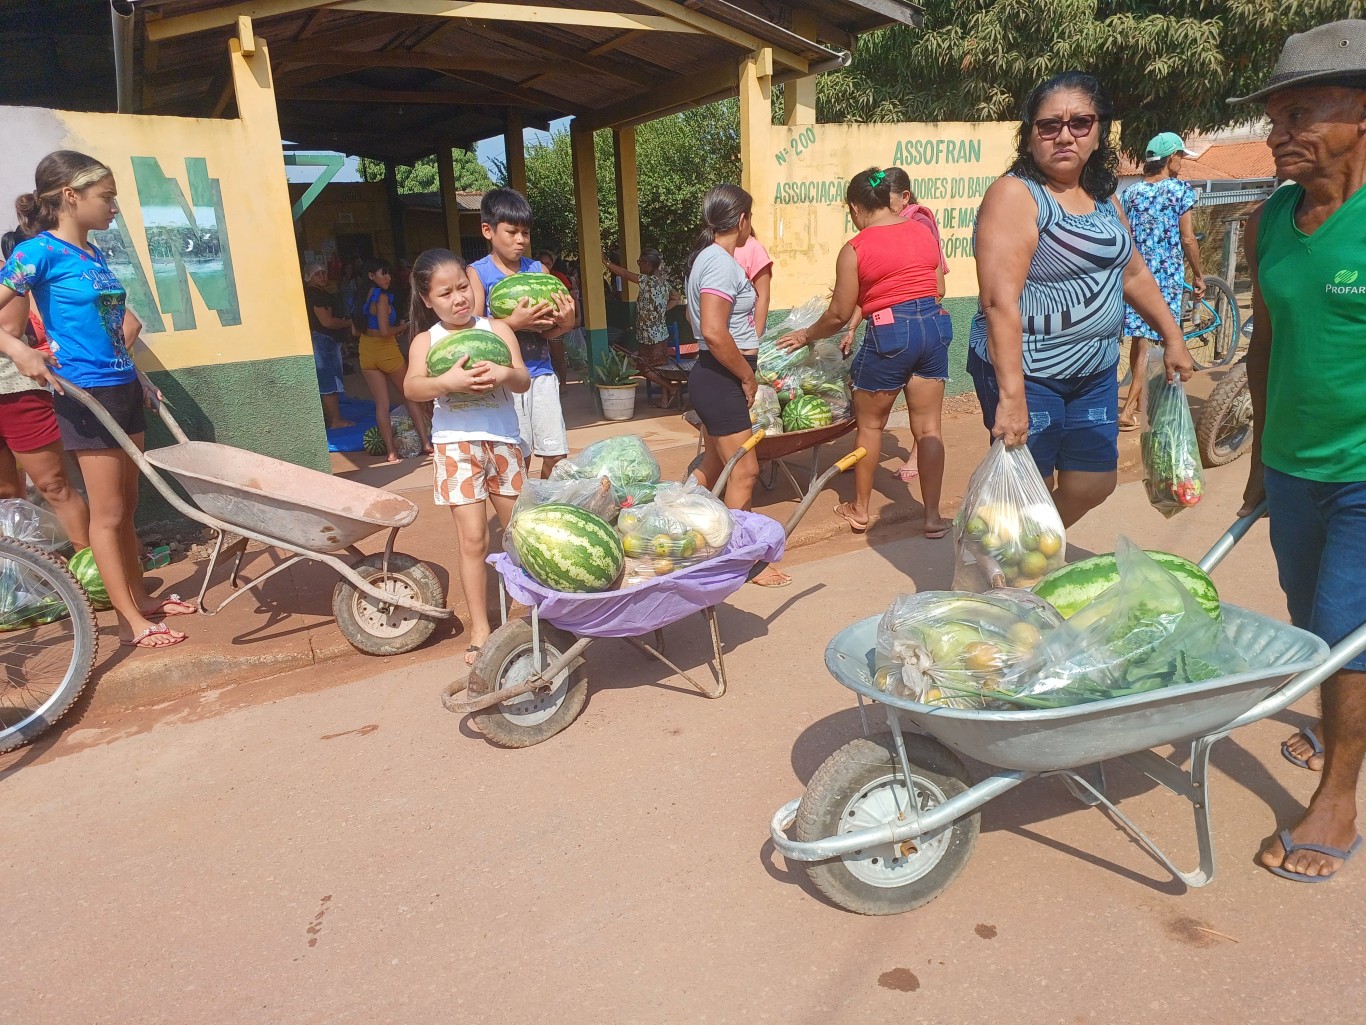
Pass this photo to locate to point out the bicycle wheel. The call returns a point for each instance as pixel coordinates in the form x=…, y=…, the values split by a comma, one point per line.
x=48, y=642
x=1211, y=324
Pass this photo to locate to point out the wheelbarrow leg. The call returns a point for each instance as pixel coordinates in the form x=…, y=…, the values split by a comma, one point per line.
x=710, y=613
x=1094, y=776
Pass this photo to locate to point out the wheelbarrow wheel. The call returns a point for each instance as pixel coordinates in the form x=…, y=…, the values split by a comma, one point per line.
x=382, y=629
x=861, y=785
x=508, y=659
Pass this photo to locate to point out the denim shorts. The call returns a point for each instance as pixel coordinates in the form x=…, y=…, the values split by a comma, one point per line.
x=327, y=361
x=1073, y=421
x=1318, y=532
x=914, y=344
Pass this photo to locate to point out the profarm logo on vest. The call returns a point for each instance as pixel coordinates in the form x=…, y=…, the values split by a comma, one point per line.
x=1344, y=283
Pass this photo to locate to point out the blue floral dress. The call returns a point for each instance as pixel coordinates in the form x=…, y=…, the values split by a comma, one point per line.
x=1154, y=210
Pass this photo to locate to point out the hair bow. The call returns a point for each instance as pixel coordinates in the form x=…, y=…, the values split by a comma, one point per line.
x=875, y=179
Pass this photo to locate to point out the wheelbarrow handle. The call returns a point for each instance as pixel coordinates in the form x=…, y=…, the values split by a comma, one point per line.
x=848, y=461
x=1231, y=537
x=750, y=443
x=818, y=485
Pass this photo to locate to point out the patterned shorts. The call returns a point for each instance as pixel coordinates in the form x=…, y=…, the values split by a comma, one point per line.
x=469, y=471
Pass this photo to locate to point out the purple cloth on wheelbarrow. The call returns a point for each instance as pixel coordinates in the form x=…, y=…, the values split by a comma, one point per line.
x=656, y=603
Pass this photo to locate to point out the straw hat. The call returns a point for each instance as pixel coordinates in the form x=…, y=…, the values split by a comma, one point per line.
x=1335, y=50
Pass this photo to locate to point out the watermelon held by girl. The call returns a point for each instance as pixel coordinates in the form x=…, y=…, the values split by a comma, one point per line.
x=532, y=286
x=82, y=566
x=566, y=548
x=479, y=345
x=805, y=413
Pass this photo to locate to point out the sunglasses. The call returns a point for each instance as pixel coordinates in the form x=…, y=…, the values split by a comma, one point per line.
x=1079, y=127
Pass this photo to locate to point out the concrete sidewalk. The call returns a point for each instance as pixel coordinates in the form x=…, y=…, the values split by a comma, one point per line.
x=288, y=625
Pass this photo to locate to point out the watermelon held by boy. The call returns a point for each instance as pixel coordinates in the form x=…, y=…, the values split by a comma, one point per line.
x=566, y=548
x=479, y=345
x=532, y=286
x=82, y=566
x=373, y=442
x=806, y=413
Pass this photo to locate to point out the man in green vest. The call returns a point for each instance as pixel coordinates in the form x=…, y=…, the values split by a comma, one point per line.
x=1306, y=365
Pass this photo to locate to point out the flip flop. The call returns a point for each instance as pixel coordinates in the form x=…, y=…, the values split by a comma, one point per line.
x=156, y=630
x=1128, y=425
x=842, y=510
x=907, y=474
x=1332, y=852
x=781, y=580
x=936, y=534
x=174, y=599
x=1308, y=734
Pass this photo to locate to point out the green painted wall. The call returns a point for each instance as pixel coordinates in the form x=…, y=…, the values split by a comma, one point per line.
x=268, y=406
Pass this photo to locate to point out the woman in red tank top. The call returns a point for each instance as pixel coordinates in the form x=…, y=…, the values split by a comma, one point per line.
x=890, y=271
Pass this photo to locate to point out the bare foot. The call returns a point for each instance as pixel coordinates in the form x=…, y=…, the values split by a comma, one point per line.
x=1328, y=822
x=340, y=424
x=1306, y=750
x=391, y=458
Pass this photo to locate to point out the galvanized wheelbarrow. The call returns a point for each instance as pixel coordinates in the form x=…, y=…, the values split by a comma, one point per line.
x=888, y=821
x=385, y=604
x=530, y=681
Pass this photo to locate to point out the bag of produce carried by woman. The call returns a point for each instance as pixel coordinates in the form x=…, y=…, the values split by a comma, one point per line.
x=959, y=650
x=1146, y=632
x=1171, y=453
x=1008, y=532
x=684, y=525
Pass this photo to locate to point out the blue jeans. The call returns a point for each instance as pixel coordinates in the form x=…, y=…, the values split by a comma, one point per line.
x=327, y=361
x=1318, y=532
x=914, y=344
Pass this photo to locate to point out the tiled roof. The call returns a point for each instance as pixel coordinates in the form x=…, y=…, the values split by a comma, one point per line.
x=1220, y=161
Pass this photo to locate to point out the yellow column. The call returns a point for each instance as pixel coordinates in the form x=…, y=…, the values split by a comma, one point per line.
x=590, y=241
x=799, y=96
x=515, y=148
x=756, y=114
x=445, y=169
x=628, y=202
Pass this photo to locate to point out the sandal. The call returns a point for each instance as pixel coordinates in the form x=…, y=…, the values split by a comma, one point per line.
x=846, y=511
x=155, y=630
x=1129, y=423
x=777, y=578
x=162, y=607
x=907, y=473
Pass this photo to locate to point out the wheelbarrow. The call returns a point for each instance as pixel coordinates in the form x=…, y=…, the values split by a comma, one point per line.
x=773, y=451
x=385, y=604
x=888, y=821
x=530, y=681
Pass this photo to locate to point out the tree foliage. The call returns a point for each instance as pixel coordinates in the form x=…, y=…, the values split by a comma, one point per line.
x=1169, y=66
x=470, y=174
x=678, y=158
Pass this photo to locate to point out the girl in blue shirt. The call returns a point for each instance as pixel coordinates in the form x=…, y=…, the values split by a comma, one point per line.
x=91, y=332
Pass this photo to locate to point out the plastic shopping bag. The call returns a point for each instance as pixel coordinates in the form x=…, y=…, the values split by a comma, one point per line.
x=959, y=650
x=625, y=461
x=684, y=525
x=765, y=412
x=1008, y=532
x=773, y=361
x=26, y=522
x=1171, y=454
x=26, y=600
x=1144, y=633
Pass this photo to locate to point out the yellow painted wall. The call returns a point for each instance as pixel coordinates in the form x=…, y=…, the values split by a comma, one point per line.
x=798, y=175
x=242, y=161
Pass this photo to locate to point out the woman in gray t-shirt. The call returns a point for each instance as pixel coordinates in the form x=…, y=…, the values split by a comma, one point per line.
x=721, y=311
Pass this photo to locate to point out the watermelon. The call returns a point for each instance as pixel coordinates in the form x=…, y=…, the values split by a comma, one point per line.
x=567, y=548
x=506, y=294
x=373, y=442
x=806, y=412
x=82, y=566
x=479, y=345
x=1075, y=586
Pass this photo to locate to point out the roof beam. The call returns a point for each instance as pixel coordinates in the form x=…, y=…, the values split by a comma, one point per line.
x=516, y=12
x=219, y=17
x=714, y=27
x=704, y=85
x=517, y=96
x=368, y=30
x=641, y=78
x=353, y=59
x=893, y=10
x=353, y=94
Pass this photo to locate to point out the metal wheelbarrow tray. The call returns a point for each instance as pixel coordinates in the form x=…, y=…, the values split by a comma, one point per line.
x=888, y=821
x=385, y=604
x=773, y=450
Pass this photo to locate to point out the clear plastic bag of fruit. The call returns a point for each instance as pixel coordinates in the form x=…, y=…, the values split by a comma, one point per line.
x=625, y=461
x=765, y=412
x=958, y=649
x=773, y=361
x=684, y=525
x=26, y=522
x=1007, y=532
x=1144, y=633
x=1172, y=471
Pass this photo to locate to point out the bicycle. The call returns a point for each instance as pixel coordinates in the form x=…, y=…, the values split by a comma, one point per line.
x=1224, y=429
x=48, y=642
x=1210, y=325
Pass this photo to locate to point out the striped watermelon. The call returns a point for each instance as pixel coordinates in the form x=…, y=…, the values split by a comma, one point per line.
x=479, y=345
x=1075, y=586
x=806, y=412
x=373, y=442
x=83, y=568
x=506, y=294
x=567, y=548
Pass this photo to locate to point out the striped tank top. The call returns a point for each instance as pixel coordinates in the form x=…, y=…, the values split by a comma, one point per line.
x=1072, y=306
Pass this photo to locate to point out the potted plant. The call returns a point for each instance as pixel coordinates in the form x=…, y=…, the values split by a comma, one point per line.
x=616, y=381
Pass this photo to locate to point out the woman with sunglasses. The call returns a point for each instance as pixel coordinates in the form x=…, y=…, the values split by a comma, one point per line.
x=1055, y=266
